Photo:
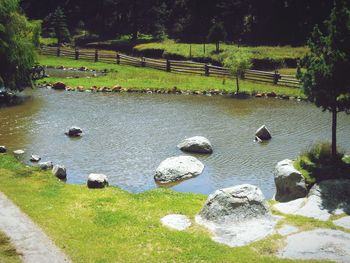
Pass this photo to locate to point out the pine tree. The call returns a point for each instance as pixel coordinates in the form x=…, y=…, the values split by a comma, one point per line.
x=326, y=81
x=60, y=26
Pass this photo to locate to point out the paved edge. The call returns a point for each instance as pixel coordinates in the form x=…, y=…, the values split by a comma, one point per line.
x=27, y=237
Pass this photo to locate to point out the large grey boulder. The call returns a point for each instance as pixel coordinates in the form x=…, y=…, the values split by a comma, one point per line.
x=237, y=215
x=178, y=168
x=97, y=181
x=196, y=144
x=327, y=198
x=290, y=183
x=263, y=133
x=46, y=165
x=2, y=149
x=74, y=131
x=60, y=172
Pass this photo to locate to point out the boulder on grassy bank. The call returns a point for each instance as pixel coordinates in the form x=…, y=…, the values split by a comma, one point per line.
x=46, y=165
x=59, y=86
x=263, y=133
x=74, y=132
x=97, y=181
x=3, y=149
x=178, y=168
x=196, y=144
x=290, y=183
x=60, y=172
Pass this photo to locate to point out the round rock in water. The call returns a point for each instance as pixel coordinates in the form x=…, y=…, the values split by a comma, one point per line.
x=74, y=132
x=35, y=158
x=263, y=133
x=97, y=181
x=290, y=183
x=196, y=144
x=18, y=152
x=60, y=172
x=46, y=165
x=178, y=168
x=175, y=221
x=2, y=149
x=236, y=203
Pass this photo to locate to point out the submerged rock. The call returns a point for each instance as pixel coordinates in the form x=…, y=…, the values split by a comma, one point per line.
x=35, y=158
x=263, y=133
x=3, y=149
x=74, y=132
x=60, y=172
x=237, y=215
x=97, y=181
x=290, y=183
x=178, y=168
x=196, y=144
x=175, y=221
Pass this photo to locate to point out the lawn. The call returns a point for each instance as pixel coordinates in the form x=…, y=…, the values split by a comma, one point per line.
x=143, y=78
x=276, y=53
x=8, y=253
x=112, y=225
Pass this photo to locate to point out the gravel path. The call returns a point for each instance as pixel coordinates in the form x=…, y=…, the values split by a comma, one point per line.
x=30, y=241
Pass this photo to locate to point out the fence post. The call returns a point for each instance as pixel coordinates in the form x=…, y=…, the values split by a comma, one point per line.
x=206, y=68
x=242, y=74
x=118, y=58
x=58, y=51
x=168, y=66
x=276, y=77
x=96, y=55
x=76, y=53
x=143, y=62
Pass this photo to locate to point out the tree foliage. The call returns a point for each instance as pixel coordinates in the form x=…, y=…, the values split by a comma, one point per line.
x=17, y=51
x=216, y=34
x=55, y=25
x=326, y=81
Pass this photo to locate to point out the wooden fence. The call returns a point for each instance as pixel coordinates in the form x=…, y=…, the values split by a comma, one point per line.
x=185, y=67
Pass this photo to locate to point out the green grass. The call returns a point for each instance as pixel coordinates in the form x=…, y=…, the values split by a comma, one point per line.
x=143, y=78
x=197, y=50
x=48, y=41
x=8, y=253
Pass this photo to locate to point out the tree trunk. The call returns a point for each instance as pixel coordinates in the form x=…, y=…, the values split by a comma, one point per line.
x=217, y=47
x=237, y=84
x=334, y=134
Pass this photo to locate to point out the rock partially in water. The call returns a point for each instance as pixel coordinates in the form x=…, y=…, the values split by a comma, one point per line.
x=59, y=86
x=97, y=181
x=60, y=172
x=178, y=168
x=175, y=221
x=263, y=133
x=329, y=197
x=35, y=158
x=237, y=215
x=322, y=244
x=290, y=183
x=74, y=132
x=196, y=144
x=18, y=152
x=46, y=165
x=3, y=149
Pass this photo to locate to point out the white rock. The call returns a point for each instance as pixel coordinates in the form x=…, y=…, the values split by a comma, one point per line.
x=287, y=230
x=97, y=181
x=176, y=221
x=263, y=133
x=35, y=158
x=60, y=172
x=178, y=168
x=290, y=207
x=2, y=149
x=343, y=222
x=319, y=244
x=196, y=144
x=18, y=152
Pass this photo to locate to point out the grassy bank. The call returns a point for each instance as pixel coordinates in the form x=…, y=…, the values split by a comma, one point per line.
x=143, y=78
x=171, y=48
x=112, y=225
x=8, y=253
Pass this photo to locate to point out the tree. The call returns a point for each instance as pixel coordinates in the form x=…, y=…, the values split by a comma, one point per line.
x=60, y=26
x=216, y=34
x=326, y=81
x=17, y=53
x=237, y=62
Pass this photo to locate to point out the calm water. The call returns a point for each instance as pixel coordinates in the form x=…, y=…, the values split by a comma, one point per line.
x=126, y=136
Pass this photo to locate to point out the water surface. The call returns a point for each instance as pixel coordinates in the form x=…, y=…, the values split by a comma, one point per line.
x=126, y=136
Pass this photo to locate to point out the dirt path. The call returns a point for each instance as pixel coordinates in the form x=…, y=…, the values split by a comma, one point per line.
x=30, y=241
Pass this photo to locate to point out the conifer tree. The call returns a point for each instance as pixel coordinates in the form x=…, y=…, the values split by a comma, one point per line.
x=60, y=26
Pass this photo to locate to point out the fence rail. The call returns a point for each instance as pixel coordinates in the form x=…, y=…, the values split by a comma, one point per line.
x=185, y=67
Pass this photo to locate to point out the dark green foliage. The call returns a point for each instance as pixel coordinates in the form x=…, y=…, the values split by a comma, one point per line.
x=17, y=52
x=60, y=26
x=326, y=80
x=216, y=34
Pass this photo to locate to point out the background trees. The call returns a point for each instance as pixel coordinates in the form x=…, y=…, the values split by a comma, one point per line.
x=326, y=81
x=16, y=46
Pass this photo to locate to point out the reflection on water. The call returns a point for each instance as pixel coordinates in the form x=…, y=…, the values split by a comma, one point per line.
x=126, y=136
